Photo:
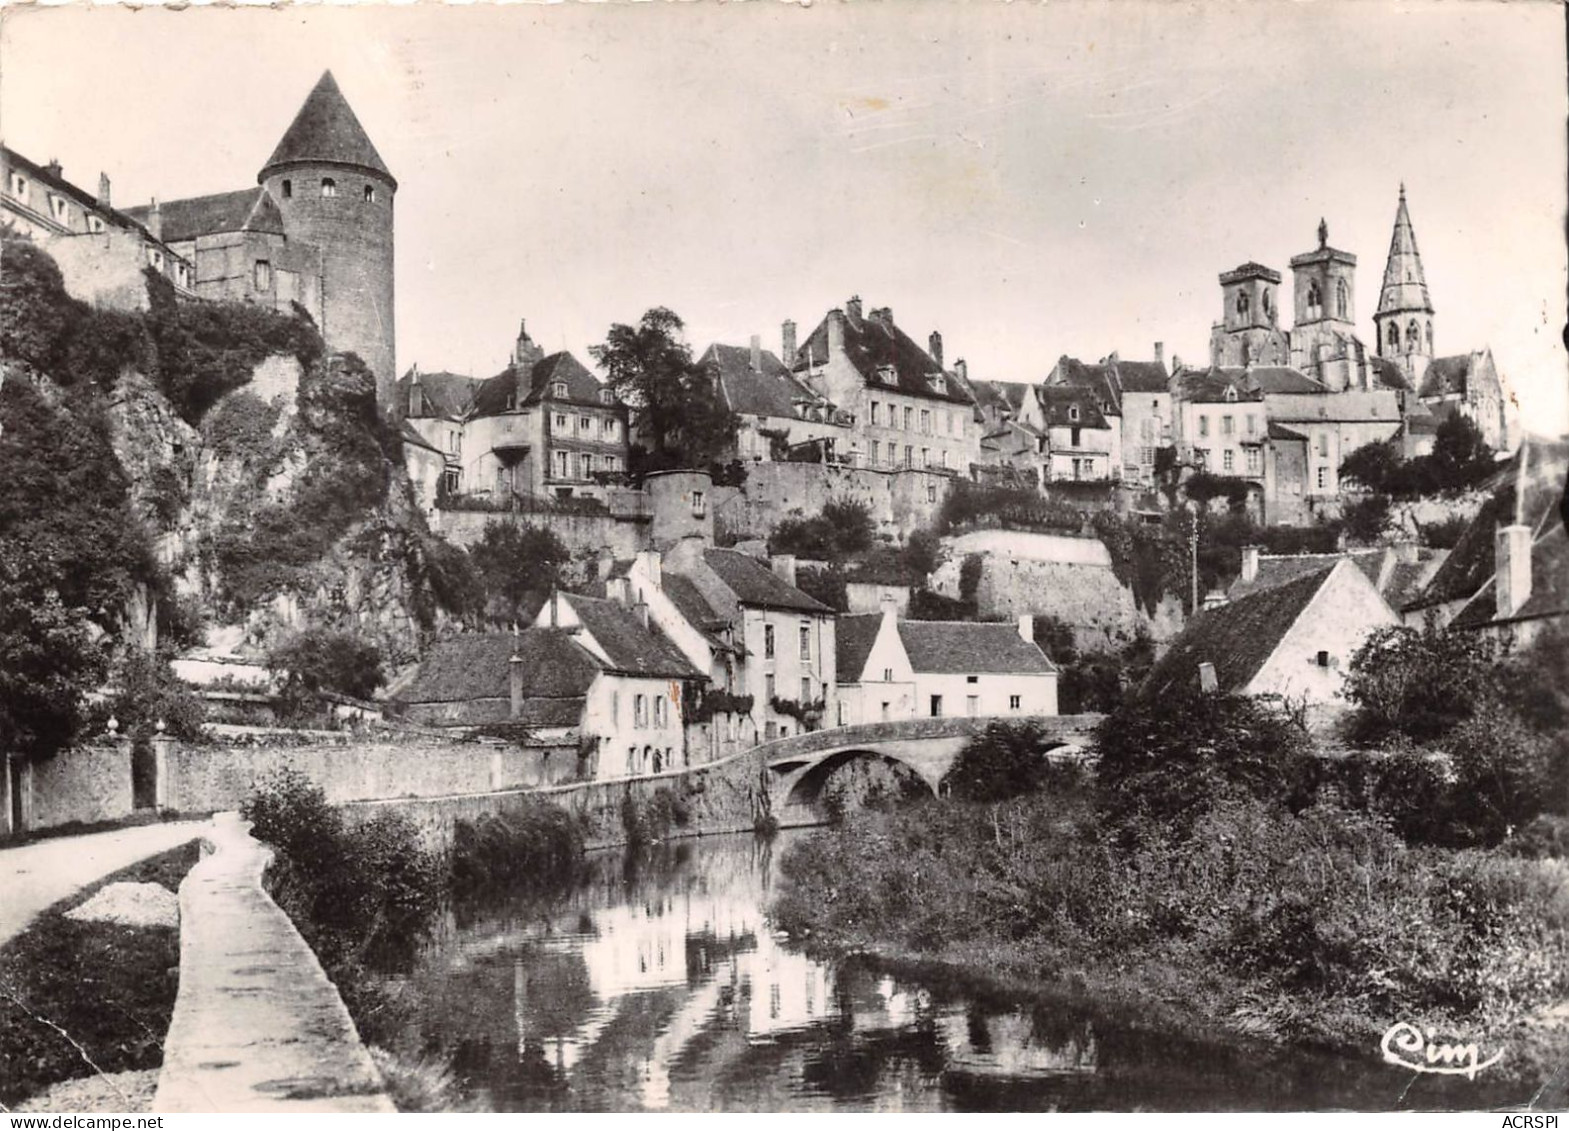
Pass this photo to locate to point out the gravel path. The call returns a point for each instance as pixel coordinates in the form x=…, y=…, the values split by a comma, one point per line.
x=115, y=1093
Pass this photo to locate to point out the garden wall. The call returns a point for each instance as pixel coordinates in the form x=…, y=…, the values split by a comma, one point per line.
x=87, y=783
x=583, y=535
x=900, y=501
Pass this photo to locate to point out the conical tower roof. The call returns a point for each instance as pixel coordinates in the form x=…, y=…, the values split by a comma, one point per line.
x=1405, y=287
x=326, y=129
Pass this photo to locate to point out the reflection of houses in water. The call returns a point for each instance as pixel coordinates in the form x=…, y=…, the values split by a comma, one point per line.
x=1009, y=1044
x=788, y=991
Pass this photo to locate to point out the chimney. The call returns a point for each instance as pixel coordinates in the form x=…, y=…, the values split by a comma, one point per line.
x=890, y=610
x=934, y=347
x=1512, y=569
x=1176, y=364
x=414, y=391
x=1249, y=563
x=883, y=314
x=619, y=590
x=515, y=672
x=103, y=190
x=962, y=369
x=652, y=565
x=555, y=608
x=1407, y=552
x=1207, y=681
x=787, y=343
x=641, y=609
x=757, y=354
x=1027, y=628
x=853, y=308
x=835, y=332
x=54, y=169
x=1160, y=354
x=155, y=220
x=783, y=566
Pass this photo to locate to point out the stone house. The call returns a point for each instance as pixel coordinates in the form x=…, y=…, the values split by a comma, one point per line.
x=774, y=411
x=436, y=407
x=1468, y=384
x=903, y=669
x=745, y=625
x=1292, y=640
x=907, y=411
x=1135, y=399
x=1080, y=443
x=100, y=250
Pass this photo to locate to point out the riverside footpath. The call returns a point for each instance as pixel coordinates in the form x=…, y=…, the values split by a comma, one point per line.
x=257, y=1025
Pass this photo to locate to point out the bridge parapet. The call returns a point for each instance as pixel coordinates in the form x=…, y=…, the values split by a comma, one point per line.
x=905, y=730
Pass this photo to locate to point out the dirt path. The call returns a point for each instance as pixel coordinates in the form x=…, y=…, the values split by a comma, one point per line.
x=34, y=876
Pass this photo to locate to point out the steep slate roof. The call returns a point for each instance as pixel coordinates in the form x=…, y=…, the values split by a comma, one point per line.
x=1237, y=637
x=1279, y=379
x=1549, y=586
x=695, y=609
x=1421, y=420
x=633, y=649
x=755, y=584
x=1097, y=379
x=582, y=386
x=441, y=393
x=326, y=129
x=854, y=636
x=1388, y=373
x=1276, y=570
x=1001, y=395
x=245, y=210
x=409, y=436
x=957, y=647
x=1208, y=386
x=872, y=342
x=1281, y=432
x=771, y=390
x=1055, y=400
x=1405, y=285
x=43, y=175
x=1446, y=375
x=1531, y=488
x=476, y=669
x=1142, y=376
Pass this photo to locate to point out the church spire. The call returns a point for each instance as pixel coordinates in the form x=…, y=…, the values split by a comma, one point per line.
x=1405, y=286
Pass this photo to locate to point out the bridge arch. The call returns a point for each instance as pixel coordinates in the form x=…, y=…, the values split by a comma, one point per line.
x=807, y=788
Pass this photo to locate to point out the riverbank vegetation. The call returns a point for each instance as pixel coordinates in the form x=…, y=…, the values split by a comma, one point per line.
x=1218, y=865
x=82, y=998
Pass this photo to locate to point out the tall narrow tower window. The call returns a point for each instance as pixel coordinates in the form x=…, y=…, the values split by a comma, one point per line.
x=1413, y=336
x=1342, y=299
x=1315, y=301
x=288, y=190
x=1429, y=337
x=329, y=187
x=370, y=194
x=1242, y=302
x=1394, y=336
x=263, y=275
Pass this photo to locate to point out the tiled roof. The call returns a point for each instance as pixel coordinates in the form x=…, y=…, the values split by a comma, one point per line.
x=1446, y=375
x=326, y=129
x=441, y=393
x=1098, y=380
x=1421, y=420
x=1007, y=395
x=44, y=175
x=245, y=210
x=1537, y=472
x=768, y=391
x=957, y=647
x=753, y=583
x=1280, y=379
x=1142, y=376
x=1549, y=585
x=873, y=343
x=558, y=368
x=694, y=607
x=1389, y=375
x=632, y=649
x=1057, y=400
x=478, y=666
x=1237, y=637
x=1276, y=570
x=853, y=639
x=1281, y=432
x=1209, y=386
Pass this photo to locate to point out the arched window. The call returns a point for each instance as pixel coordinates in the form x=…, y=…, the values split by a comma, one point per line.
x=1315, y=301
x=1394, y=336
x=370, y=194
x=1342, y=299
x=1242, y=302
x=329, y=187
x=1413, y=335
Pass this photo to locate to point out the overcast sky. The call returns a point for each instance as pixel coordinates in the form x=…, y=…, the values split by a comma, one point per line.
x=1031, y=180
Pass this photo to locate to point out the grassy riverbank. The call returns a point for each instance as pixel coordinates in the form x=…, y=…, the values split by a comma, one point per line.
x=77, y=999
x=1318, y=928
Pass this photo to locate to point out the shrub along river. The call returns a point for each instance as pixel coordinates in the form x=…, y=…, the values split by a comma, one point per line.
x=655, y=983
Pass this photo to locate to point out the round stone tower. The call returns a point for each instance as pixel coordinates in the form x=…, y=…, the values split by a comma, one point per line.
x=682, y=506
x=335, y=193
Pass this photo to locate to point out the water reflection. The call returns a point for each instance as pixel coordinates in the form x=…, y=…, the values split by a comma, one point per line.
x=656, y=984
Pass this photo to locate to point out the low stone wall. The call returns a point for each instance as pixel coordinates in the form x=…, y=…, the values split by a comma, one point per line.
x=87, y=784
x=899, y=500
x=206, y=779
x=721, y=797
x=581, y=534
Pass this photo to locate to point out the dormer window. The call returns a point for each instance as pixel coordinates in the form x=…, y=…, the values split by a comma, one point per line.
x=329, y=187
x=606, y=396
x=1231, y=392
x=885, y=374
x=559, y=389
x=60, y=208
x=1073, y=412
x=95, y=224
x=155, y=257
x=370, y=194
x=19, y=186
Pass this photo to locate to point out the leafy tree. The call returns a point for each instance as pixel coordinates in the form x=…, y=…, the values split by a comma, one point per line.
x=323, y=659
x=518, y=566
x=1373, y=466
x=922, y=552
x=842, y=530
x=1460, y=456
x=1007, y=760
x=1166, y=760
x=649, y=366
x=1418, y=683
x=1366, y=518
x=926, y=604
x=49, y=661
x=826, y=585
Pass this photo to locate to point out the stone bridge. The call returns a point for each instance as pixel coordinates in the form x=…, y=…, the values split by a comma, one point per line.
x=798, y=766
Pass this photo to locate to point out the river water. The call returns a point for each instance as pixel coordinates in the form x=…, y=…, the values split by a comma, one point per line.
x=655, y=983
